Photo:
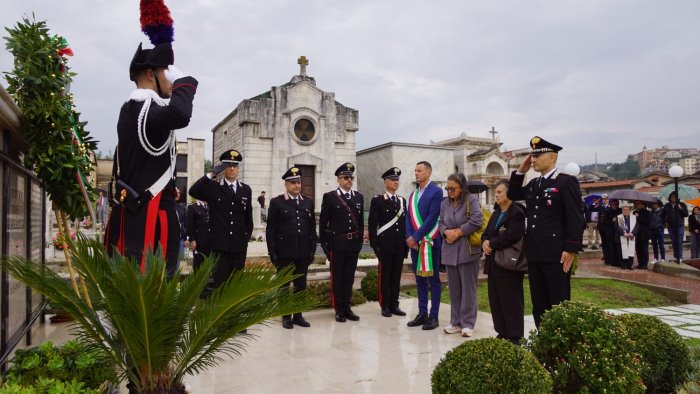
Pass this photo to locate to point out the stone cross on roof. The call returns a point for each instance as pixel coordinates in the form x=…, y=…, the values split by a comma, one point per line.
x=493, y=133
x=303, y=62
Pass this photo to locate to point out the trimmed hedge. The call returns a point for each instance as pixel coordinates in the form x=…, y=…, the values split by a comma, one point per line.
x=489, y=366
x=321, y=291
x=665, y=356
x=586, y=350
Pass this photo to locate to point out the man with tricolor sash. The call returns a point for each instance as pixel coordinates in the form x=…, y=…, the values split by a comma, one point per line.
x=424, y=240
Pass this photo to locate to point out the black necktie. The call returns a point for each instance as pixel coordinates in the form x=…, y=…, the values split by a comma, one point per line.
x=347, y=196
x=232, y=189
x=296, y=200
x=393, y=199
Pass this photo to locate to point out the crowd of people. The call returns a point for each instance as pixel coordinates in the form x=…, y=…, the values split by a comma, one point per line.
x=625, y=229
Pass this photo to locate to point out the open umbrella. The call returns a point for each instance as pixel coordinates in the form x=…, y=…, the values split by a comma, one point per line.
x=476, y=186
x=685, y=192
x=589, y=199
x=631, y=195
x=694, y=202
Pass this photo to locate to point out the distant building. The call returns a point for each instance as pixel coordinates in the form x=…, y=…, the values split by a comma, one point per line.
x=661, y=159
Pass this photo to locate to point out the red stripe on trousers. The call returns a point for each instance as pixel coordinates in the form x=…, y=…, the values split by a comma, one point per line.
x=150, y=230
x=379, y=288
x=330, y=260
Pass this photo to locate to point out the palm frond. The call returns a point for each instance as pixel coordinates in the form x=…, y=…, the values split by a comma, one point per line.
x=155, y=331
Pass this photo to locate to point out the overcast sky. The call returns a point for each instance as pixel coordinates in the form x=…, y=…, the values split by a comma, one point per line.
x=593, y=76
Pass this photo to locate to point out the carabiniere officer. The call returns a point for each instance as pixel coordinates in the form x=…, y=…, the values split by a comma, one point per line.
x=230, y=215
x=387, y=236
x=341, y=232
x=291, y=235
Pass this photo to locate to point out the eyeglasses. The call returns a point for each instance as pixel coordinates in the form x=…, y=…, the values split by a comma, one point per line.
x=451, y=189
x=347, y=177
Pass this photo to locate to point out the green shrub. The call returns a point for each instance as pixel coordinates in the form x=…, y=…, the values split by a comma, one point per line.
x=73, y=365
x=370, y=285
x=321, y=292
x=586, y=350
x=366, y=256
x=665, y=356
x=490, y=365
x=692, y=385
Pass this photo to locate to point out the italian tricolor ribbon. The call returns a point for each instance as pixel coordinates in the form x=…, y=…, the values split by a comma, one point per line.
x=424, y=263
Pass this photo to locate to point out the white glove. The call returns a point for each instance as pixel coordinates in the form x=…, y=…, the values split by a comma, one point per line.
x=172, y=74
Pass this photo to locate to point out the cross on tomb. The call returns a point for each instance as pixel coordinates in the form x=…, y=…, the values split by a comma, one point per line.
x=493, y=133
x=303, y=62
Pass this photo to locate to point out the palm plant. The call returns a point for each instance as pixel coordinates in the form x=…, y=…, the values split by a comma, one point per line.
x=156, y=330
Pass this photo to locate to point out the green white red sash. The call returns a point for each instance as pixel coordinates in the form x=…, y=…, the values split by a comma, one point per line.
x=424, y=263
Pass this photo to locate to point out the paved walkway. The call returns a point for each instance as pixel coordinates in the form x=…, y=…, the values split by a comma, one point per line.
x=374, y=355
x=685, y=319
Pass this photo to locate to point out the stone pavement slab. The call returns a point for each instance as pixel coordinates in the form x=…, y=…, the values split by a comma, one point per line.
x=670, y=322
x=692, y=328
x=687, y=333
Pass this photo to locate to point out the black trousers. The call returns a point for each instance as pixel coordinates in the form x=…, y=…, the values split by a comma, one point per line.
x=198, y=257
x=507, y=303
x=604, y=243
x=641, y=249
x=226, y=264
x=343, y=266
x=549, y=286
x=390, y=268
x=301, y=267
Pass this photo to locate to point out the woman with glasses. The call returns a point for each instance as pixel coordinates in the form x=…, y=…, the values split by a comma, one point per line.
x=506, y=227
x=459, y=257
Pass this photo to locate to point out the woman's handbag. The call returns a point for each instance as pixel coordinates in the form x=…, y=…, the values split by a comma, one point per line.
x=512, y=258
x=474, y=238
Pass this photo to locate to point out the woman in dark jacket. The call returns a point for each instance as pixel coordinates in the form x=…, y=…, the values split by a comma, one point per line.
x=506, y=227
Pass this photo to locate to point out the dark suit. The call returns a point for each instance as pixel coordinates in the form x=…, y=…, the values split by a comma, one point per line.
x=341, y=231
x=554, y=223
x=506, y=287
x=611, y=250
x=291, y=235
x=641, y=240
x=230, y=223
x=197, y=227
x=389, y=245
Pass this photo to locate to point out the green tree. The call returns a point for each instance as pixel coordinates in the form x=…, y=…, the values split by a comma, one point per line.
x=157, y=331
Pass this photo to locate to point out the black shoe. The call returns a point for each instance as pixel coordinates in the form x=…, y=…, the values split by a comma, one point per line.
x=350, y=315
x=339, y=317
x=397, y=311
x=287, y=322
x=431, y=324
x=300, y=321
x=386, y=312
x=419, y=320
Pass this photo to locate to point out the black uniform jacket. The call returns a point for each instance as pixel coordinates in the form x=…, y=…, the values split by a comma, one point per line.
x=554, y=219
x=291, y=228
x=137, y=168
x=230, y=215
x=381, y=211
x=197, y=225
x=342, y=228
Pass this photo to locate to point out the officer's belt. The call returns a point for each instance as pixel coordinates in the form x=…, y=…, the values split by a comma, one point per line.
x=350, y=235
